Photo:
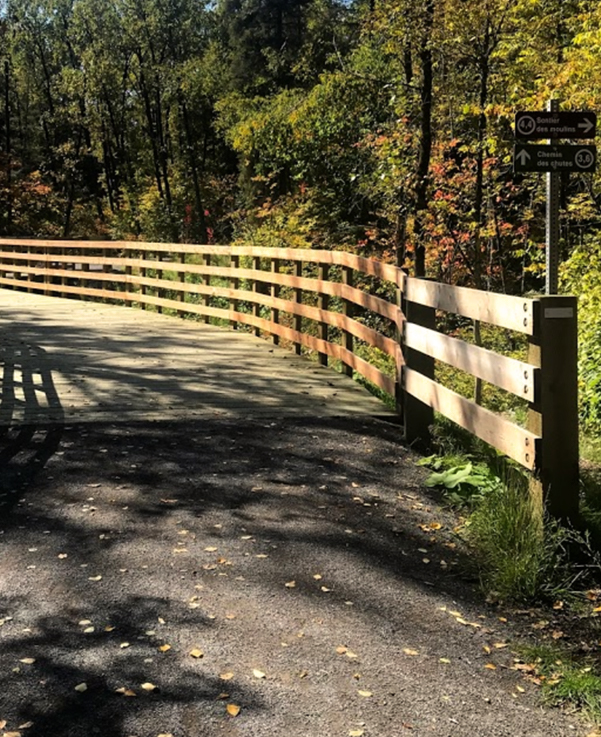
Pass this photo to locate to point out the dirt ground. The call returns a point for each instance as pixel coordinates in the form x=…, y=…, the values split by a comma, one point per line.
x=249, y=578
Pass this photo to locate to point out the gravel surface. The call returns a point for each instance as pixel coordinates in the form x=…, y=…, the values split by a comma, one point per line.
x=303, y=562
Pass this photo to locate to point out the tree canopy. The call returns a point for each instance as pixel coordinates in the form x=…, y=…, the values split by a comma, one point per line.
x=383, y=126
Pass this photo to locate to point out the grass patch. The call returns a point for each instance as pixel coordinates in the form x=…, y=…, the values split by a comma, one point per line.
x=564, y=679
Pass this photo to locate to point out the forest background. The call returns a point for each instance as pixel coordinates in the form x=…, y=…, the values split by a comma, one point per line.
x=382, y=127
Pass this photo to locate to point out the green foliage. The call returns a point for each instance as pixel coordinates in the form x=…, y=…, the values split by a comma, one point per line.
x=522, y=555
x=566, y=680
x=581, y=275
x=466, y=483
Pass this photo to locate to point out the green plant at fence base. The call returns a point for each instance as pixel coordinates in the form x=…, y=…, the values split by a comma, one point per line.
x=465, y=483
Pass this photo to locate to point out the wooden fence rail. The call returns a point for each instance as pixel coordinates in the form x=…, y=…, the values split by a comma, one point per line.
x=337, y=304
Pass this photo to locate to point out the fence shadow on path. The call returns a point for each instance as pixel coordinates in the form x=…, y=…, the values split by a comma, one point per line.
x=31, y=417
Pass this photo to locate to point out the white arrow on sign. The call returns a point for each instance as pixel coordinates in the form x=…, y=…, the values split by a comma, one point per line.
x=523, y=157
x=587, y=125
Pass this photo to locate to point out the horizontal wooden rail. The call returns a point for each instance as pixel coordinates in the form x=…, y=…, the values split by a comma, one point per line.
x=510, y=439
x=324, y=302
x=514, y=376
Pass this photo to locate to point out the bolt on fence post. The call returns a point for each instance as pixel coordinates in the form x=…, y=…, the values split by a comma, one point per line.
x=553, y=415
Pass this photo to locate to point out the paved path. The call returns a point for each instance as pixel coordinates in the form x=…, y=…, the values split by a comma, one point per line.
x=66, y=360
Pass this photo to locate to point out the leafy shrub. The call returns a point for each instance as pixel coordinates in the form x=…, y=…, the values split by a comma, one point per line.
x=581, y=275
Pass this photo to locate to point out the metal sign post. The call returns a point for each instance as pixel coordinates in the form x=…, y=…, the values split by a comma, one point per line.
x=552, y=229
x=553, y=159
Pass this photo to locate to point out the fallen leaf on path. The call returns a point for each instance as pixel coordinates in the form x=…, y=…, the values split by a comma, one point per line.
x=233, y=710
x=123, y=645
x=11, y=734
x=290, y=585
x=27, y=661
x=94, y=578
x=325, y=589
x=62, y=556
x=196, y=653
x=125, y=691
x=148, y=686
x=365, y=694
x=226, y=676
x=81, y=687
x=164, y=648
x=491, y=666
x=410, y=651
x=210, y=549
x=356, y=733
x=27, y=725
x=258, y=673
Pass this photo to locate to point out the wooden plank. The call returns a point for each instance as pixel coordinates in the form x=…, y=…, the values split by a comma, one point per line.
x=514, y=376
x=370, y=267
x=514, y=313
x=514, y=441
x=335, y=319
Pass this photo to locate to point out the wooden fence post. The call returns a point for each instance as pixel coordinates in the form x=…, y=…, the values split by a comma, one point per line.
x=322, y=304
x=347, y=311
x=159, y=292
x=234, y=284
x=554, y=413
x=298, y=297
x=181, y=294
x=255, y=287
x=206, y=300
x=418, y=417
x=275, y=293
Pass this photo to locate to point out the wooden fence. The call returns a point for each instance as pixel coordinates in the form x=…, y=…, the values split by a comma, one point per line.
x=336, y=304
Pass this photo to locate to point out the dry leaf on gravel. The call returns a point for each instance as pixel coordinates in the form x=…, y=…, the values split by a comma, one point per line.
x=365, y=694
x=356, y=733
x=226, y=676
x=148, y=686
x=81, y=687
x=258, y=673
x=164, y=648
x=125, y=691
x=410, y=651
x=27, y=661
x=27, y=725
x=290, y=585
x=196, y=653
x=233, y=710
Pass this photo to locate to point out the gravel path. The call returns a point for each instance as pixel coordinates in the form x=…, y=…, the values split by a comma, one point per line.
x=291, y=569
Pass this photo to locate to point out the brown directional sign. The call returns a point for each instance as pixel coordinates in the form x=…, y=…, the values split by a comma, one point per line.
x=542, y=124
x=552, y=158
